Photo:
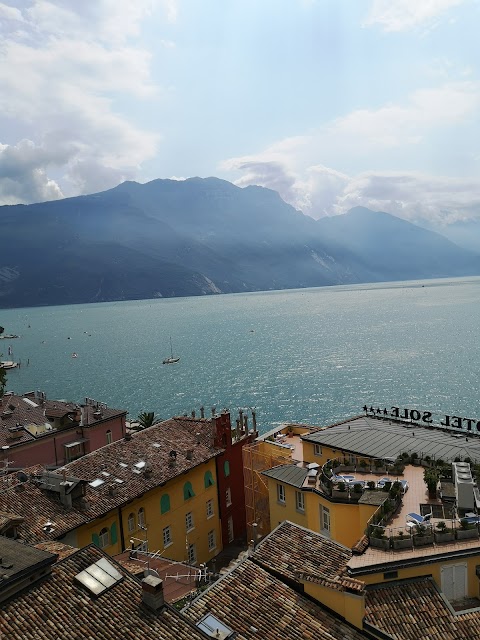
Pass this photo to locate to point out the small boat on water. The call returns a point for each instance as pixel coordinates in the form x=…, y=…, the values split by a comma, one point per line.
x=171, y=358
x=8, y=336
x=8, y=364
x=74, y=355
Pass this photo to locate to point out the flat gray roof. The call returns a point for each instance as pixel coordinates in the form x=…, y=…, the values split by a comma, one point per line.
x=377, y=438
x=289, y=474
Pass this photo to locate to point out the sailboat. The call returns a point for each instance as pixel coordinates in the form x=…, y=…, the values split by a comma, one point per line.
x=171, y=358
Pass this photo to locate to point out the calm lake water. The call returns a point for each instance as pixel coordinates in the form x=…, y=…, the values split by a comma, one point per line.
x=310, y=355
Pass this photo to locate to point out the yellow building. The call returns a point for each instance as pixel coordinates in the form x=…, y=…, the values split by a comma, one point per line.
x=156, y=490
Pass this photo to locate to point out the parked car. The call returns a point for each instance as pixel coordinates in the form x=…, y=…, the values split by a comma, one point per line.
x=403, y=486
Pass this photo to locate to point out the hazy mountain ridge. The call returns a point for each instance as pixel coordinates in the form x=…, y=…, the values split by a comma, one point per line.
x=199, y=236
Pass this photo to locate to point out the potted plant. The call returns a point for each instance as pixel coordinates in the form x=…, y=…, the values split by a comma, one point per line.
x=371, y=484
x=431, y=477
x=443, y=533
x=290, y=432
x=356, y=494
x=466, y=530
x=378, y=539
x=401, y=541
x=422, y=535
x=340, y=490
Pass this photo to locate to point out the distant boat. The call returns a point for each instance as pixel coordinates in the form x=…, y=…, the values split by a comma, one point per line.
x=8, y=336
x=74, y=355
x=8, y=364
x=171, y=358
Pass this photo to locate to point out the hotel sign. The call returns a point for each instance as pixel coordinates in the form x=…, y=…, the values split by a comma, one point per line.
x=424, y=417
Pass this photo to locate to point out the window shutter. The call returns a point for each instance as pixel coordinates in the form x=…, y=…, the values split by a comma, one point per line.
x=96, y=539
x=113, y=533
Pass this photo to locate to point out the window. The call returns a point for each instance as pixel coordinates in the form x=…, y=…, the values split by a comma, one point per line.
x=104, y=538
x=230, y=529
x=131, y=522
x=109, y=437
x=210, y=511
x=192, y=553
x=189, y=524
x=226, y=468
x=389, y=575
x=325, y=519
x=212, y=540
x=167, y=537
x=141, y=517
x=228, y=496
x=73, y=451
x=208, y=479
x=317, y=449
x=165, y=503
x=281, y=493
x=300, y=501
x=188, y=491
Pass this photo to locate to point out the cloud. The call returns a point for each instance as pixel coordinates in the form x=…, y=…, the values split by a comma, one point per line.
x=366, y=137
x=62, y=76
x=23, y=175
x=400, y=15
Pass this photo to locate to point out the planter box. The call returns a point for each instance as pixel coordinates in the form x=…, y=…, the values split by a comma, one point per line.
x=465, y=534
x=342, y=495
x=422, y=541
x=444, y=537
x=380, y=543
x=402, y=543
x=355, y=497
x=346, y=467
x=380, y=470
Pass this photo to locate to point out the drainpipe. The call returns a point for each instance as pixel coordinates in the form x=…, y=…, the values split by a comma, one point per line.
x=122, y=537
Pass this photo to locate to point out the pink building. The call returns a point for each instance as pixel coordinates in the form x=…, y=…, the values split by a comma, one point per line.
x=34, y=430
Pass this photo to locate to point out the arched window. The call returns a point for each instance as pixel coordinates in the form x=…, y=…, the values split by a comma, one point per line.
x=104, y=538
x=188, y=491
x=226, y=468
x=208, y=479
x=165, y=503
x=131, y=522
x=109, y=437
x=141, y=517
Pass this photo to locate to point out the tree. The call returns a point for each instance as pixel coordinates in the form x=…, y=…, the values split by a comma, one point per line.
x=146, y=420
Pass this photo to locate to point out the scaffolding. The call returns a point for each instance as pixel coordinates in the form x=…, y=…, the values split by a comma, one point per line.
x=257, y=457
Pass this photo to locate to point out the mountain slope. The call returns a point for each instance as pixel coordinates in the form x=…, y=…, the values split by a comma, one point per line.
x=200, y=236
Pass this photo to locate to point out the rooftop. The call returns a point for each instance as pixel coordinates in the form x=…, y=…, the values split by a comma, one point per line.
x=414, y=609
x=124, y=470
x=256, y=604
x=58, y=607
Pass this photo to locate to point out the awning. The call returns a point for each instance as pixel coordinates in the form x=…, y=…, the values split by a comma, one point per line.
x=74, y=444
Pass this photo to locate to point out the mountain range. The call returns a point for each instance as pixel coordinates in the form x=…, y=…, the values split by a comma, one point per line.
x=200, y=236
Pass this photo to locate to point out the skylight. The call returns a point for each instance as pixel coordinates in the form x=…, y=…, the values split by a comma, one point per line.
x=212, y=626
x=105, y=473
x=96, y=483
x=118, y=480
x=140, y=465
x=99, y=577
x=123, y=464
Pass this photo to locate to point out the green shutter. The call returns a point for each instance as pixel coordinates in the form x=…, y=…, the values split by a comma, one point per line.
x=165, y=503
x=226, y=468
x=208, y=479
x=96, y=539
x=188, y=491
x=113, y=533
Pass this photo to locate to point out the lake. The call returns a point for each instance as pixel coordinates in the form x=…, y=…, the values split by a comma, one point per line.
x=310, y=355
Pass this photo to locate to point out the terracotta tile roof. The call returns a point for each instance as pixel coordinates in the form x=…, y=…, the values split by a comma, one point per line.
x=37, y=505
x=300, y=554
x=415, y=609
x=58, y=548
x=59, y=608
x=256, y=605
x=17, y=411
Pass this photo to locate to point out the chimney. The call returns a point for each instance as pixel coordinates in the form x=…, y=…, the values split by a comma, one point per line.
x=65, y=498
x=198, y=438
x=240, y=415
x=128, y=436
x=112, y=490
x=152, y=593
x=193, y=413
x=254, y=420
x=245, y=422
x=189, y=454
x=214, y=409
x=202, y=411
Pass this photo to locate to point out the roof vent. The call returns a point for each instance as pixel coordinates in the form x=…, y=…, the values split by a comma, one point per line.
x=189, y=454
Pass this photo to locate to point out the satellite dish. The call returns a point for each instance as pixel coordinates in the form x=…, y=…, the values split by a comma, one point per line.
x=151, y=572
x=22, y=476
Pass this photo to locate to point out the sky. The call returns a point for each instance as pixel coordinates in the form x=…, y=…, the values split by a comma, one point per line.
x=333, y=103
